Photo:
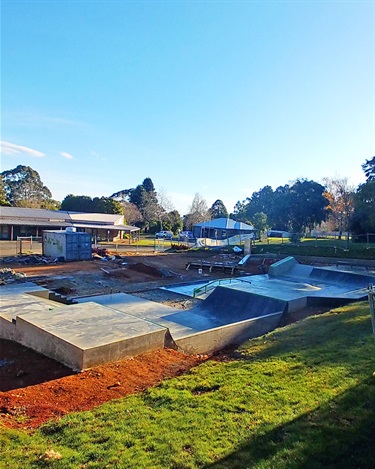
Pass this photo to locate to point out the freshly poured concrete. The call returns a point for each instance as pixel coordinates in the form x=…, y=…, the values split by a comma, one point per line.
x=220, y=320
x=105, y=328
x=300, y=285
x=17, y=301
x=85, y=335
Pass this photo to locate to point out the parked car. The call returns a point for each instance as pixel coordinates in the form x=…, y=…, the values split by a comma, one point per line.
x=164, y=235
x=186, y=236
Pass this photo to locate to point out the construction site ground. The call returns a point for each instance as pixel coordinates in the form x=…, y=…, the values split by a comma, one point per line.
x=34, y=388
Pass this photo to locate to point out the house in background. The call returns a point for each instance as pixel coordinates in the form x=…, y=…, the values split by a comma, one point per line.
x=24, y=222
x=222, y=229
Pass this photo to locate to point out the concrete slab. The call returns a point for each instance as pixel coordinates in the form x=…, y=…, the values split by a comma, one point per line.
x=12, y=305
x=299, y=283
x=105, y=328
x=86, y=335
x=208, y=327
x=24, y=287
x=147, y=310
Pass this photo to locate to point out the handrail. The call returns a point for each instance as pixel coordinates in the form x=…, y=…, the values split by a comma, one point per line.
x=214, y=284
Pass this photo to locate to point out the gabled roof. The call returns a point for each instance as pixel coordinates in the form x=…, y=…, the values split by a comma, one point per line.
x=33, y=213
x=96, y=217
x=61, y=218
x=225, y=224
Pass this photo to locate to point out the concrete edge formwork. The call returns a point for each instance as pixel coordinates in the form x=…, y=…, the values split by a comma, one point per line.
x=213, y=340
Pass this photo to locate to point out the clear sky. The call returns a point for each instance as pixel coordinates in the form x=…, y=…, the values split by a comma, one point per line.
x=216, y=97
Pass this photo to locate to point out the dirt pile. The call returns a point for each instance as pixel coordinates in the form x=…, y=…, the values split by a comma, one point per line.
x=147, y=269
x=8, y=275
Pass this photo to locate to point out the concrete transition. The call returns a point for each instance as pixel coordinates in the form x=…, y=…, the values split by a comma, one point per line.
x=105, y=328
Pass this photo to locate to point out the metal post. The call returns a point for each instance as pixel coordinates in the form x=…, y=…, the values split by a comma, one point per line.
x=371, y=300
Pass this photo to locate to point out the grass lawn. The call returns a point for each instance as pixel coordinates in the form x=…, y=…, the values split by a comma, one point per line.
x=316, y=247
x=300, y=397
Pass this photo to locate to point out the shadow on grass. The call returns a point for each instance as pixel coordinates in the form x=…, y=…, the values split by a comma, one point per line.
x=339, y=434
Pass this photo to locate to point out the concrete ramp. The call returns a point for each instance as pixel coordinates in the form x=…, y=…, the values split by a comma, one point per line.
x=106, y=328
x=227, y=317
x=338, y=277
x=227, y=305
x=224, y=318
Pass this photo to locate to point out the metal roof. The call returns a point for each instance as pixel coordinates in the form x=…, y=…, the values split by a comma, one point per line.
x=106, y=227
x=61, y=218
x=19, y=212
x=226, y=224
x=31, y=222
x=96, y=217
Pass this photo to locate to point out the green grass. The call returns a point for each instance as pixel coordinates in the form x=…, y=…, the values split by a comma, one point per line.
x=316, y=247
x=302, y=396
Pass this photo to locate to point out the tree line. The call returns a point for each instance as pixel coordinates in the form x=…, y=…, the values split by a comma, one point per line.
x=297, y=207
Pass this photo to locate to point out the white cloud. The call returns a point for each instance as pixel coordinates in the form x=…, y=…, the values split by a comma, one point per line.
x=7, y=148
x=68, y=156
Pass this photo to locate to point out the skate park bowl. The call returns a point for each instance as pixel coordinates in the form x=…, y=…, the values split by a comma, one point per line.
x=106, y=328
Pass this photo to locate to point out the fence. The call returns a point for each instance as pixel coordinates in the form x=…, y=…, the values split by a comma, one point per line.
x=364, y=238
x=28, y=244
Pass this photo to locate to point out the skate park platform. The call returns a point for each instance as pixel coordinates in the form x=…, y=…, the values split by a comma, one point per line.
x=295, y=284
x=106, y=328
x=225, y=318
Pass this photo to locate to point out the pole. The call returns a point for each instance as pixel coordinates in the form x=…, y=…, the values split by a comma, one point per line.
x=371, y=300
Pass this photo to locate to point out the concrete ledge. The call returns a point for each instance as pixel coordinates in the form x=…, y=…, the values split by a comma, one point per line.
x=282, y=267
x=86, y=335
x=212, y=340
x=20, y=304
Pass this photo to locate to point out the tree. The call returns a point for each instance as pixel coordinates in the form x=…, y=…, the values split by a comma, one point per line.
x=77, y=203
x=340, y=195
x=121, y=196
x=218, y=210
x=198, y=211
x=369, y=169
x=3, y=197
x=106, y=205
x=24, y=188
x=363, y=219
x=240, y=212
x=165, y=207
x=260, y=222
x=84, y=203
x=148, y=185
x=173, y=221
x=137, y=196
x=131, y=213
x=260, y=202
x=145, y=198
x=279, y=215
x=308, y=206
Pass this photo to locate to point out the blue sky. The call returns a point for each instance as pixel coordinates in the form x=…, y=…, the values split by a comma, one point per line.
x=216, y=97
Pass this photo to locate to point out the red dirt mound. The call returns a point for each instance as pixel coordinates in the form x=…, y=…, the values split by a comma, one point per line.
x=35, y=389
